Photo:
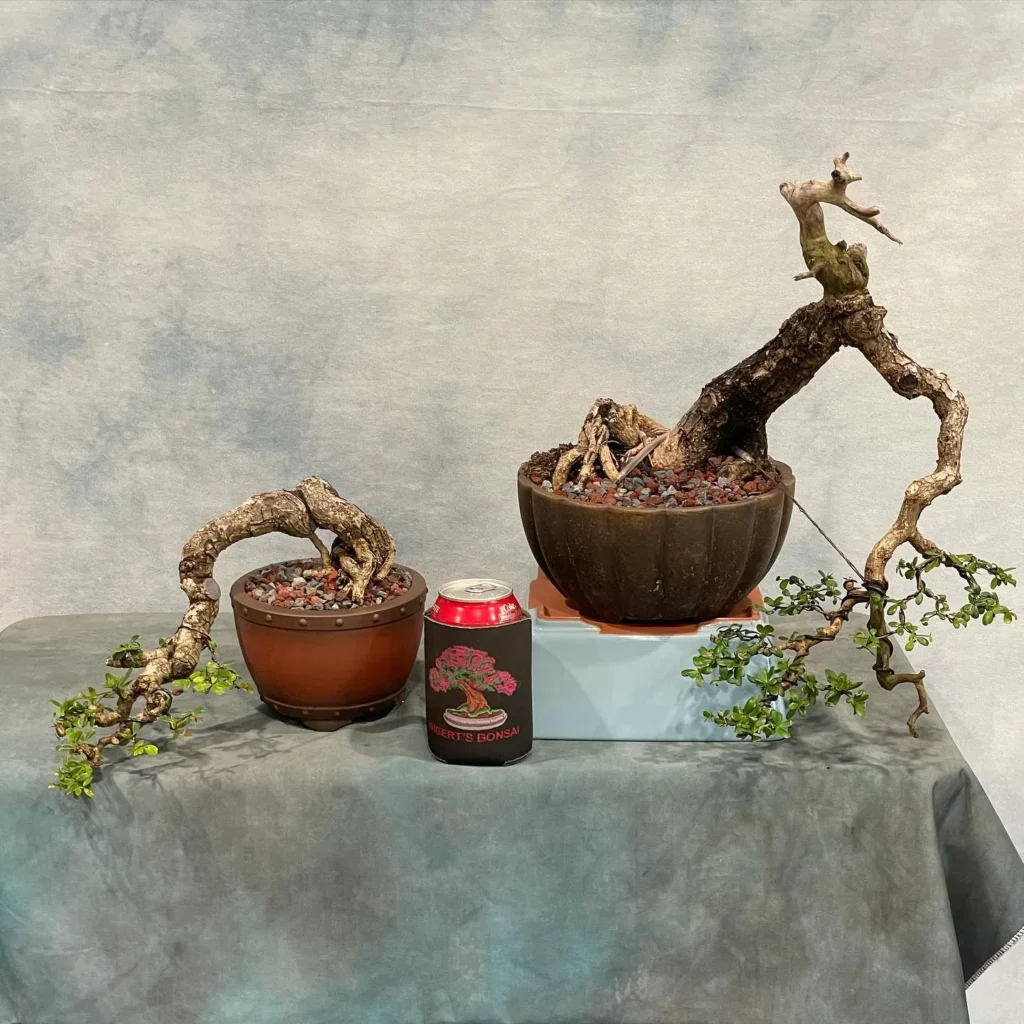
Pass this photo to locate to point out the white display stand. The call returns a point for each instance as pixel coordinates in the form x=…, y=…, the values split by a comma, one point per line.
x=590, y=683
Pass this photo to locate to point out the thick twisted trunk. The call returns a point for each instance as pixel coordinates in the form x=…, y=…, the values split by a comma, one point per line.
x=475, y=700
x=730, y=416
x=910, y=380
x=733, y=409
x=364, y=550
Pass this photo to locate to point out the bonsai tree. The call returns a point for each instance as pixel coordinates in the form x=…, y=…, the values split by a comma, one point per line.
x=144, y=694
x=472, y=671
x=727, y=423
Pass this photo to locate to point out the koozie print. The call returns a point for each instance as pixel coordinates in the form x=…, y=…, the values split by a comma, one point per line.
x=472, y=673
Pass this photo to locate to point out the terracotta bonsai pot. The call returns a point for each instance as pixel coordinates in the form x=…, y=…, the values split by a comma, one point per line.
x=618, y=564
x=330, y=668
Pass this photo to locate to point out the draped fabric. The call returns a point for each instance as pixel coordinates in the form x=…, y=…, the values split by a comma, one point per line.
x=260, y=873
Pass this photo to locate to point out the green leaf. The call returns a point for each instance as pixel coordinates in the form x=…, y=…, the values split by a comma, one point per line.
x=125, y=648
x=140, y=747
x=857, y=701
x=866, y=639
x=74, y=777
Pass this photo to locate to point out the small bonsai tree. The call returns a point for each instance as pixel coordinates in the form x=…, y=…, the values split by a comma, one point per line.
x=144, y=694
x=728, y=422
x=472, y=671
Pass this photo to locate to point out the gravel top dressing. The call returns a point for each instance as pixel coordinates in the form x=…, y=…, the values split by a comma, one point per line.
x=665, y=488
x=307, y=585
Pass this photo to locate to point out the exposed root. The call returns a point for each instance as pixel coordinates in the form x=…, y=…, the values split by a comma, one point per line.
x=608, y=425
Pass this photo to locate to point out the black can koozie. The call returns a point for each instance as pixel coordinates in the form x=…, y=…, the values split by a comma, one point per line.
x=479, y=693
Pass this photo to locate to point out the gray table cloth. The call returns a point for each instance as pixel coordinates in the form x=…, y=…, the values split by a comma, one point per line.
x=260, y=873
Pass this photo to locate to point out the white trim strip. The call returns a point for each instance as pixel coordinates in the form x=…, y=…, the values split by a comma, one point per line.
x=992, y=959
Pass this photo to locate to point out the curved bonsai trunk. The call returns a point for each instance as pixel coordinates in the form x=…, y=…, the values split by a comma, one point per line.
x=363, y=550
x=732, y=411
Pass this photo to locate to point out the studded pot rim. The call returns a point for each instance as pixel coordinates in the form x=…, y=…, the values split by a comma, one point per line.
x=347, y=619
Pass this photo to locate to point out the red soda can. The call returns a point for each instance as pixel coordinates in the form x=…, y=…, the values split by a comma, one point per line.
x=478, y=649
x=476, y=603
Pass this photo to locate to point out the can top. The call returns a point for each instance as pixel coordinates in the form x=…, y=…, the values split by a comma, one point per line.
x=475, y=590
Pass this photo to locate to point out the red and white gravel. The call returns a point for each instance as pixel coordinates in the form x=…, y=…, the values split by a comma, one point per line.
x=307, y=585
x=665, y=489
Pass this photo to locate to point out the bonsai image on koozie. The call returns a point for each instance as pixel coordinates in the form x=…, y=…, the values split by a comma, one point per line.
x=472, y=672
x=352, y=590
x=636, y=518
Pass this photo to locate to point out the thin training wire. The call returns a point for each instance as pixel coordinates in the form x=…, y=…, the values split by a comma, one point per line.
x=833, y=544
x=792, y=497
x=654, y=443
x=628, y=468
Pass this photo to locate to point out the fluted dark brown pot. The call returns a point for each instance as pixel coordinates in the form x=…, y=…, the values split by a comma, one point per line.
x=329, y=668
x=655, y=565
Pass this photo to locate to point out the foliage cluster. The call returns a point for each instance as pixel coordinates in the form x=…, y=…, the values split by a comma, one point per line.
x=77, y=719
x=776, y=662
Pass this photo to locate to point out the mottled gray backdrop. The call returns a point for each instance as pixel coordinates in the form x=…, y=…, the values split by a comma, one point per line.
x=403, y=245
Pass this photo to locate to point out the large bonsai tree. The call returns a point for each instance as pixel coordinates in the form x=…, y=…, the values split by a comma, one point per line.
x=362, y=551
x=728, y=421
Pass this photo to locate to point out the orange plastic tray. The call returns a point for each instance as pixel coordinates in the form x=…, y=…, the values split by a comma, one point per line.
x=549, y=603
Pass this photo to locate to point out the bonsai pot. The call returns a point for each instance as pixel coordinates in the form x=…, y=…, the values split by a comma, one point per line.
x=619, y=564
x=329, y=668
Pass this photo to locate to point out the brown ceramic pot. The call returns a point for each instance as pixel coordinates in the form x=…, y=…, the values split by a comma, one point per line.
x=329, y=668
x=654, y=565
